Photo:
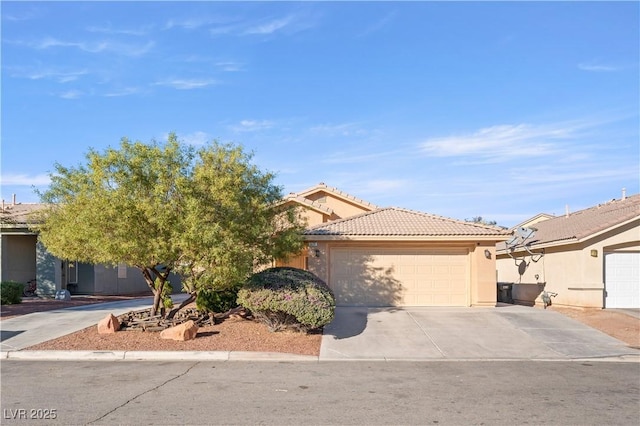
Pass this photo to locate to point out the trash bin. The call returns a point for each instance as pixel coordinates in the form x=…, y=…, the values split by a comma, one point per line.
x=505, y=292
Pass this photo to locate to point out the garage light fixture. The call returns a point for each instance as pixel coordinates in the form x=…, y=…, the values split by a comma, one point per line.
x=487, y=253
x=594, y=253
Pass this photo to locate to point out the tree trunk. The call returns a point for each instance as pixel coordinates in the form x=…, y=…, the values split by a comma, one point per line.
x=174, y=311
x=148, y=273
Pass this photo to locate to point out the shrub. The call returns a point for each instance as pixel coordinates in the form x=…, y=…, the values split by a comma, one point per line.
x=288, y=298
x=211, y=300
x=11, y=292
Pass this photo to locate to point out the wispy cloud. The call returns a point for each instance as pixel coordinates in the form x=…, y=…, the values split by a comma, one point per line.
x=252, y=125
x=269, y=27
x=230, y=66
x=126, y=91
x=126, y=49
x=50, y=74
x=195, y=22
x=109, y=29
x=19, y=179
x=594, y=67
x=195, y=138
x=186, y=84
x=502, y=142
x=71, y=94
x=289, y=24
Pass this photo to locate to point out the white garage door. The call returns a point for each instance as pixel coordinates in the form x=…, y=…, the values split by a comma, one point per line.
x=399, y=277
x=622, y=280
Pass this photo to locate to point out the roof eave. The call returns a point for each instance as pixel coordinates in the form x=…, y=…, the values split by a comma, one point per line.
x=494, y=238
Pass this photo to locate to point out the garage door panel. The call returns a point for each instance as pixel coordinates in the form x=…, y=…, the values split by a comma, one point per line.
x=386, y=277
x=622, y=280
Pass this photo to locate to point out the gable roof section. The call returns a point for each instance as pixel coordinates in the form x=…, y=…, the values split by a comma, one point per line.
x=401, y=224
x=321, y=187
x=586, y=223
x=314, y=205
x=533, y=220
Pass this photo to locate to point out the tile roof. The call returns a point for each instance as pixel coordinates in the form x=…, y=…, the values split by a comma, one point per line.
x=585, y=223
x=331, y=190
x=18, y=214
x=396, y=222
x=307, y=202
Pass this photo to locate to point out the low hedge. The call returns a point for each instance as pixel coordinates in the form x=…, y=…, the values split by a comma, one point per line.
x=216, y=301
x=288, y=298
x=11, y=292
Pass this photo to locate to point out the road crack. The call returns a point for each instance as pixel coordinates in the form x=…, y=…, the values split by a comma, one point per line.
x=143, y=393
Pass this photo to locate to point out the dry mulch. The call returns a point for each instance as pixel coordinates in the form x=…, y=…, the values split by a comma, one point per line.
x=233, y=334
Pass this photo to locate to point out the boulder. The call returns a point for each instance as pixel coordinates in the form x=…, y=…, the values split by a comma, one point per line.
x=108, y=325
x=185, y=331
x=63, y=295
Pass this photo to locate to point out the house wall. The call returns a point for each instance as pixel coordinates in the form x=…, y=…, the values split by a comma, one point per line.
x=483, y=274
x=49, y=271
x=18, y=258
x=569, y=270
x=110, y=280
x=482, y=270
x=313, y=217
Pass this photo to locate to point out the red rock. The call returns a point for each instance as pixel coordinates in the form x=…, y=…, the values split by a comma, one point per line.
x=108, y=325
x=185, y=331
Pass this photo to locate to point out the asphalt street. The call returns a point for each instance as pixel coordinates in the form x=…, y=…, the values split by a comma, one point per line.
x=327, y=393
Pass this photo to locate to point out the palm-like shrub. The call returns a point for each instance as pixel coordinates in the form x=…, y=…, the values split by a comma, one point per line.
x=288, y=298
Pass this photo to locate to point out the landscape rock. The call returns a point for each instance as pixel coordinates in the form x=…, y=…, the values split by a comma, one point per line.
x=185, y=331
x=108, y=325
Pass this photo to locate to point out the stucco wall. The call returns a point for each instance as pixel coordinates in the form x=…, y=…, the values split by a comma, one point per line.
x=569, y=270
x=18, y=258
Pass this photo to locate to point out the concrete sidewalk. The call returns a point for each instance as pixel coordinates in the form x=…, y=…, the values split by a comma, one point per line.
x=501, y=333
x=27, y=330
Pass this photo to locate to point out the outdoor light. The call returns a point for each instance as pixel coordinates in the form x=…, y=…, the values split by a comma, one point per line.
x=487, y=253
x=594, y=253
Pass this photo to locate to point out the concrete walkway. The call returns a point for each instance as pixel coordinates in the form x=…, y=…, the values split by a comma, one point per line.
x=509, y=332
x=388, y=334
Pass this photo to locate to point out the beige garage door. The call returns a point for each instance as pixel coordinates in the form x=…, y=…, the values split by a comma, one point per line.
x=399, y=277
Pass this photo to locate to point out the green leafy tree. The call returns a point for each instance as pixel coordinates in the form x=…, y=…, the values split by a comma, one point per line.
x=206, y=214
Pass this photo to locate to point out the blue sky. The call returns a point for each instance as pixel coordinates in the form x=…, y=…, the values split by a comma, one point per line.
x=500, y=109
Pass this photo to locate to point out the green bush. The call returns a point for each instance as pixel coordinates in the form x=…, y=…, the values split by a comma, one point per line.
x=11, y=292
x=288, y=298
x=219, y=301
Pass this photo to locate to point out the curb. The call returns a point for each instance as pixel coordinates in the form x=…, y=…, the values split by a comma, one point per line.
x=258, y=357
x=153, y=356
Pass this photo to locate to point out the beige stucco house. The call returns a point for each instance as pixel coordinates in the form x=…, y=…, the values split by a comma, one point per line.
x=373, y=256
x=590, y=258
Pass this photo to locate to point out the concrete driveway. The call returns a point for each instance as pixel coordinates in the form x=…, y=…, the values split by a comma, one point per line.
x=506, y=332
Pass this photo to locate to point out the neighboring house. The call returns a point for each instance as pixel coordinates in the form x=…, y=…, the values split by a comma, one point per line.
x=23, y=258
x=590, y=258
x=374, y=256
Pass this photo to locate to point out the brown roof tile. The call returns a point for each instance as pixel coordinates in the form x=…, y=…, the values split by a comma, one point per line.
x=396, y=222
x=18, y=214
x=331, y=190
x=585, y=223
